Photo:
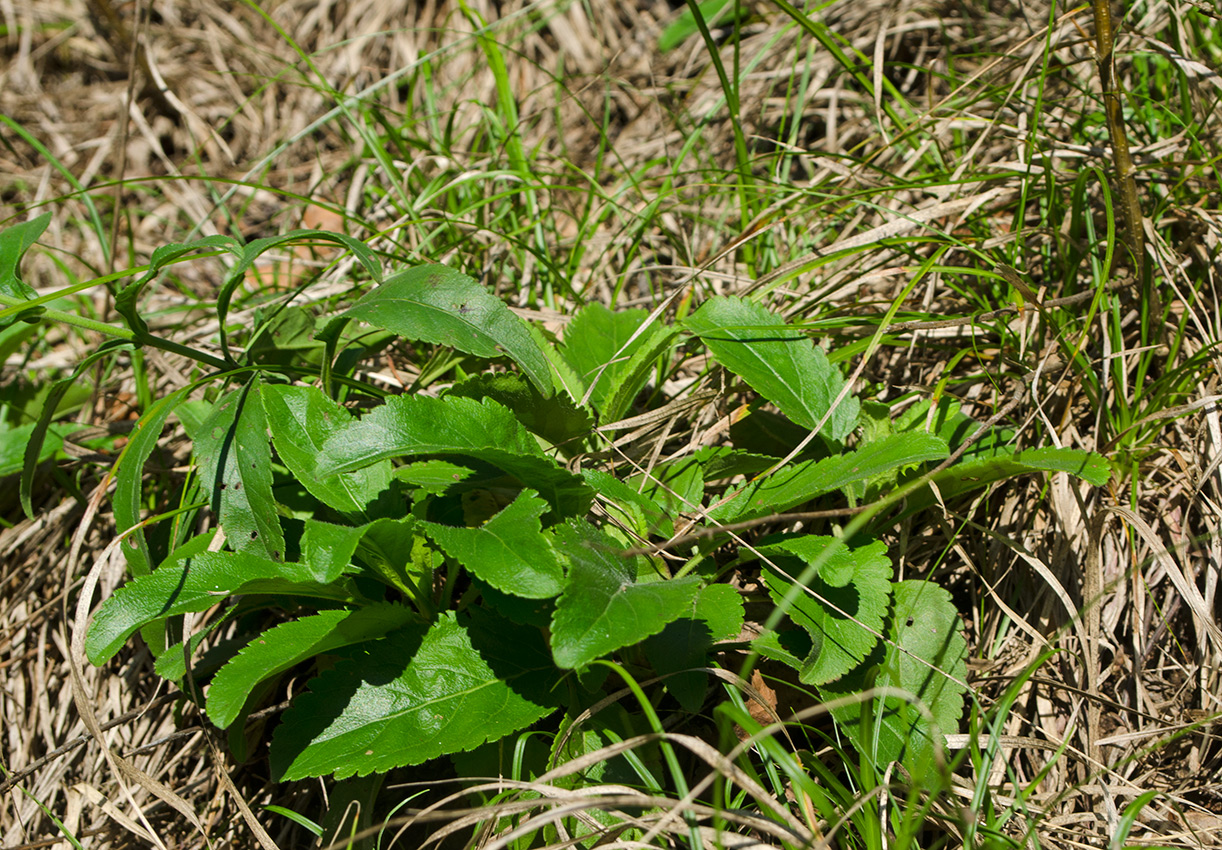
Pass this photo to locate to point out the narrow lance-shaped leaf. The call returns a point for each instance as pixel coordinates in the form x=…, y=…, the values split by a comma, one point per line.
x=778, y=361
x=415, y=695
x=235, y=461
x=803, y=481
x=439, y=305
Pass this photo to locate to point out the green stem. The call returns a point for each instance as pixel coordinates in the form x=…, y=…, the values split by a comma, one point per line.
x=126, y=334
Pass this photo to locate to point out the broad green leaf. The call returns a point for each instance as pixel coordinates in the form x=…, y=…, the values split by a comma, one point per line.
x=14, y=242
x=555, y=418
x=509, y=551
x=391, y=549
x=716, y=614
x=417, y=695
x=677, y=487
x=925, y=655
x=433, y=476
x=842, y=608
x=597, y=346
x=724, y=462
x=327, y=549
x=301, y=419
x=407, y=426
x=778, y=361
x=636, y=510
x=235, y=469
x=803, y=481
x=604, y=606
x=210, y=579
x=279, y=648
x=636, y=372
x=439, y=305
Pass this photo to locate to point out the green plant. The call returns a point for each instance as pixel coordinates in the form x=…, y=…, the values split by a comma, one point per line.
x=435, y=564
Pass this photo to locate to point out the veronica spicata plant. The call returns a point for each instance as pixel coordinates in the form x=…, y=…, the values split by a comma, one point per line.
x=444, y=571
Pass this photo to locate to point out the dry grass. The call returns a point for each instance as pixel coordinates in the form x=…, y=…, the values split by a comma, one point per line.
x=232, y=146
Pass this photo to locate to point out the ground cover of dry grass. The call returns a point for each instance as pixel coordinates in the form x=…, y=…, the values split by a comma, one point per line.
x=980, y=131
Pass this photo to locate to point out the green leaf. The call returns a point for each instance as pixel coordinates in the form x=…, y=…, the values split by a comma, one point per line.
x=842, y=608
x=778, y=361
x=637, y=511
x=211, y=578
x=418, y=425
x=604, y=606
x=280, y=648
x=509, y=551
x=597, y=346
x=803, y=481
x=327, y=549
x=925, y=655
x=684, y=26
x=129, y=476
x=34, y=448
x=716, y=614
x=555, y=418
x=14, y=443
x=127, y=300
x=439, y=305
x=414, y=696
x=14, y=242
x=235, y=468
x=433, y=476
x=390, y=547
x=635, y=374
x=973, y=474
x=301, y=419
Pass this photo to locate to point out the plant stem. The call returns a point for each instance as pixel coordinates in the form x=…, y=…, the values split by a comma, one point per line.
x=1122, y=160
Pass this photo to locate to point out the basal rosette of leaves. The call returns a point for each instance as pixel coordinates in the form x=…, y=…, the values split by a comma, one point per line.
x=435, y=568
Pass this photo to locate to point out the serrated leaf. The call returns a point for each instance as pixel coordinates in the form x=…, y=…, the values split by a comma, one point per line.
x=210, y=579
x=509, y=551
x=235, y=470
x=439, y=305
x=389, y=548
x=598, y=345
x=408, y=426
x=635, y=510
x=635, y=374
x=716, y=614
x=778, y=361
x=842, y=608
x=803, y=481
x=301, y=419
x=971, y=475
x=280, y=648
x=604, y=607
x=555, y=418
x=414, y=696
x=433, y=476
x=925, y=655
